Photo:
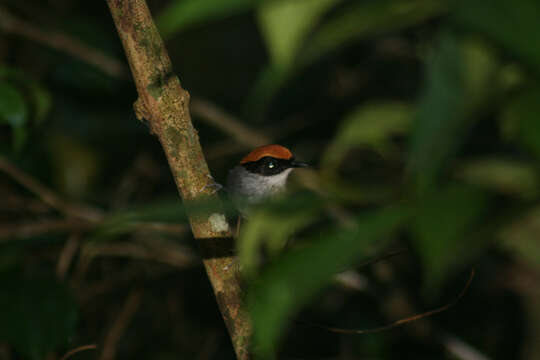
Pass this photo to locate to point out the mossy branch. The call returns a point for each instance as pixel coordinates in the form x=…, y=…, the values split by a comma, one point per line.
x=165, y=105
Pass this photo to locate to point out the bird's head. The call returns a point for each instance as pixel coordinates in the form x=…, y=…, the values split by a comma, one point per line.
x=270, y=160
x=261, y=173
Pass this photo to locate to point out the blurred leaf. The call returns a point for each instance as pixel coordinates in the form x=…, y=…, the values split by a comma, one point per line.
x=441, y=121
x=459, y=83
x=368, y=18
x=183, y=13
x=481, y=74
x=13, y=109
x=20, y=134
x=76, y=165
x=513, y=25
x=288, y=283
x=519, y=120
x=370, y=125
x=271, y=225
x=359, y=20
x=505, y=176
x=351, y=192
x=38, y=314
x=286, y=23
x=125, y=221
x=41, y=100
x=443, y=230
x=10, y=258
x=270, y=80
x=521, y=236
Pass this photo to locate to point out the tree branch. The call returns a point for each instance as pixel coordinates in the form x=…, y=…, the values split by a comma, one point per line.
x=165, y=105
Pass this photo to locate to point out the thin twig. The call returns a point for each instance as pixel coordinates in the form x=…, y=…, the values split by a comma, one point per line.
x=230, y=125
x=162, y=227
x=398, y=322
x=226, y=147
x=59, y=41
x=176, y=255
x=48, y=196
x=27, y=230
x=14, y=203
x=31, y=229
x=66, y=255
x=383, y=257
x=351, y=279
x=132, y=181
x=77, y=350
x=120, y=324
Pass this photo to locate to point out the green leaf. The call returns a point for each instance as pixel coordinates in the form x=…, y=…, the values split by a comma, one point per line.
x=182, y=13
x=271, y=79
x=291, y=50
x=77, y=165
x=512, y=25
x=441, y=120
x=368, y=18
x=41, y=101
x=521, y=237
x=41, y=98
x=519, y=120
x=506, y=176
x=442, y=229
x=459, y=83
x=38, y=314
x=271, y=225
x=370, y=125
x=20, y=135
x=292, y=280
x=286, y=23
x=13, y=109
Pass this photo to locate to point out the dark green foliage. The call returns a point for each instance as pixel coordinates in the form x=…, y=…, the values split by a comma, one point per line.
x=420, y=119
x=291, y=281
x=520, y=119
x=512, y=25
x=443, y=226
x=38, y=314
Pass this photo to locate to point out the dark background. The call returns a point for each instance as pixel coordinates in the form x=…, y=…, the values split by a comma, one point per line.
x=420, y=121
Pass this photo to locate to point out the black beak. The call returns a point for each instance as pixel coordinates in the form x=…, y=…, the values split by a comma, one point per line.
x=298, y=164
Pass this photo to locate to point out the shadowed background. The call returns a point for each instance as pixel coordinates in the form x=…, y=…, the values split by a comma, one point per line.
x=419, y=118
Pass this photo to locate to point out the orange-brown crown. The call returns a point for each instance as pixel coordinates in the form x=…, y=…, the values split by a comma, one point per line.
x=275, y=151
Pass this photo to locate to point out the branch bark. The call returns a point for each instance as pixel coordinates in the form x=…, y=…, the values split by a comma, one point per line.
x=165, y=105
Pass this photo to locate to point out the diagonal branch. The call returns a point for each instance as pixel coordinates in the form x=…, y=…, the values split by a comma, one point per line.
x=46, y=195
x=62, y=42
x=165, y=105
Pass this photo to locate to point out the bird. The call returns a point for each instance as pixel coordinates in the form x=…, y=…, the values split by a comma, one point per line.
x=260, y=175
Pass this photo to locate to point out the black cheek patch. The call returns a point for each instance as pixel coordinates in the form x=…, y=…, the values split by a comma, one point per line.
x=261, y=166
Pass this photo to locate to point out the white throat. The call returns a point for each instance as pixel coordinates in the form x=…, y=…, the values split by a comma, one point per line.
x=255, y=187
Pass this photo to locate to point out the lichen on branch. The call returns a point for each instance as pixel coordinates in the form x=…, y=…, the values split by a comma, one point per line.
x=165, y=106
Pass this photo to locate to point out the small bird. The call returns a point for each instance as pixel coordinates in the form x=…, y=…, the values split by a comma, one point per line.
x=261, y=173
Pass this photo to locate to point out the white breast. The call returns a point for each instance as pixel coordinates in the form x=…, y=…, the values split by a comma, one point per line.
x=249, y=188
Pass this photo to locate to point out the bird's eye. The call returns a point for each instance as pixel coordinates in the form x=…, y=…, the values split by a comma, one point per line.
x=271, y=165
